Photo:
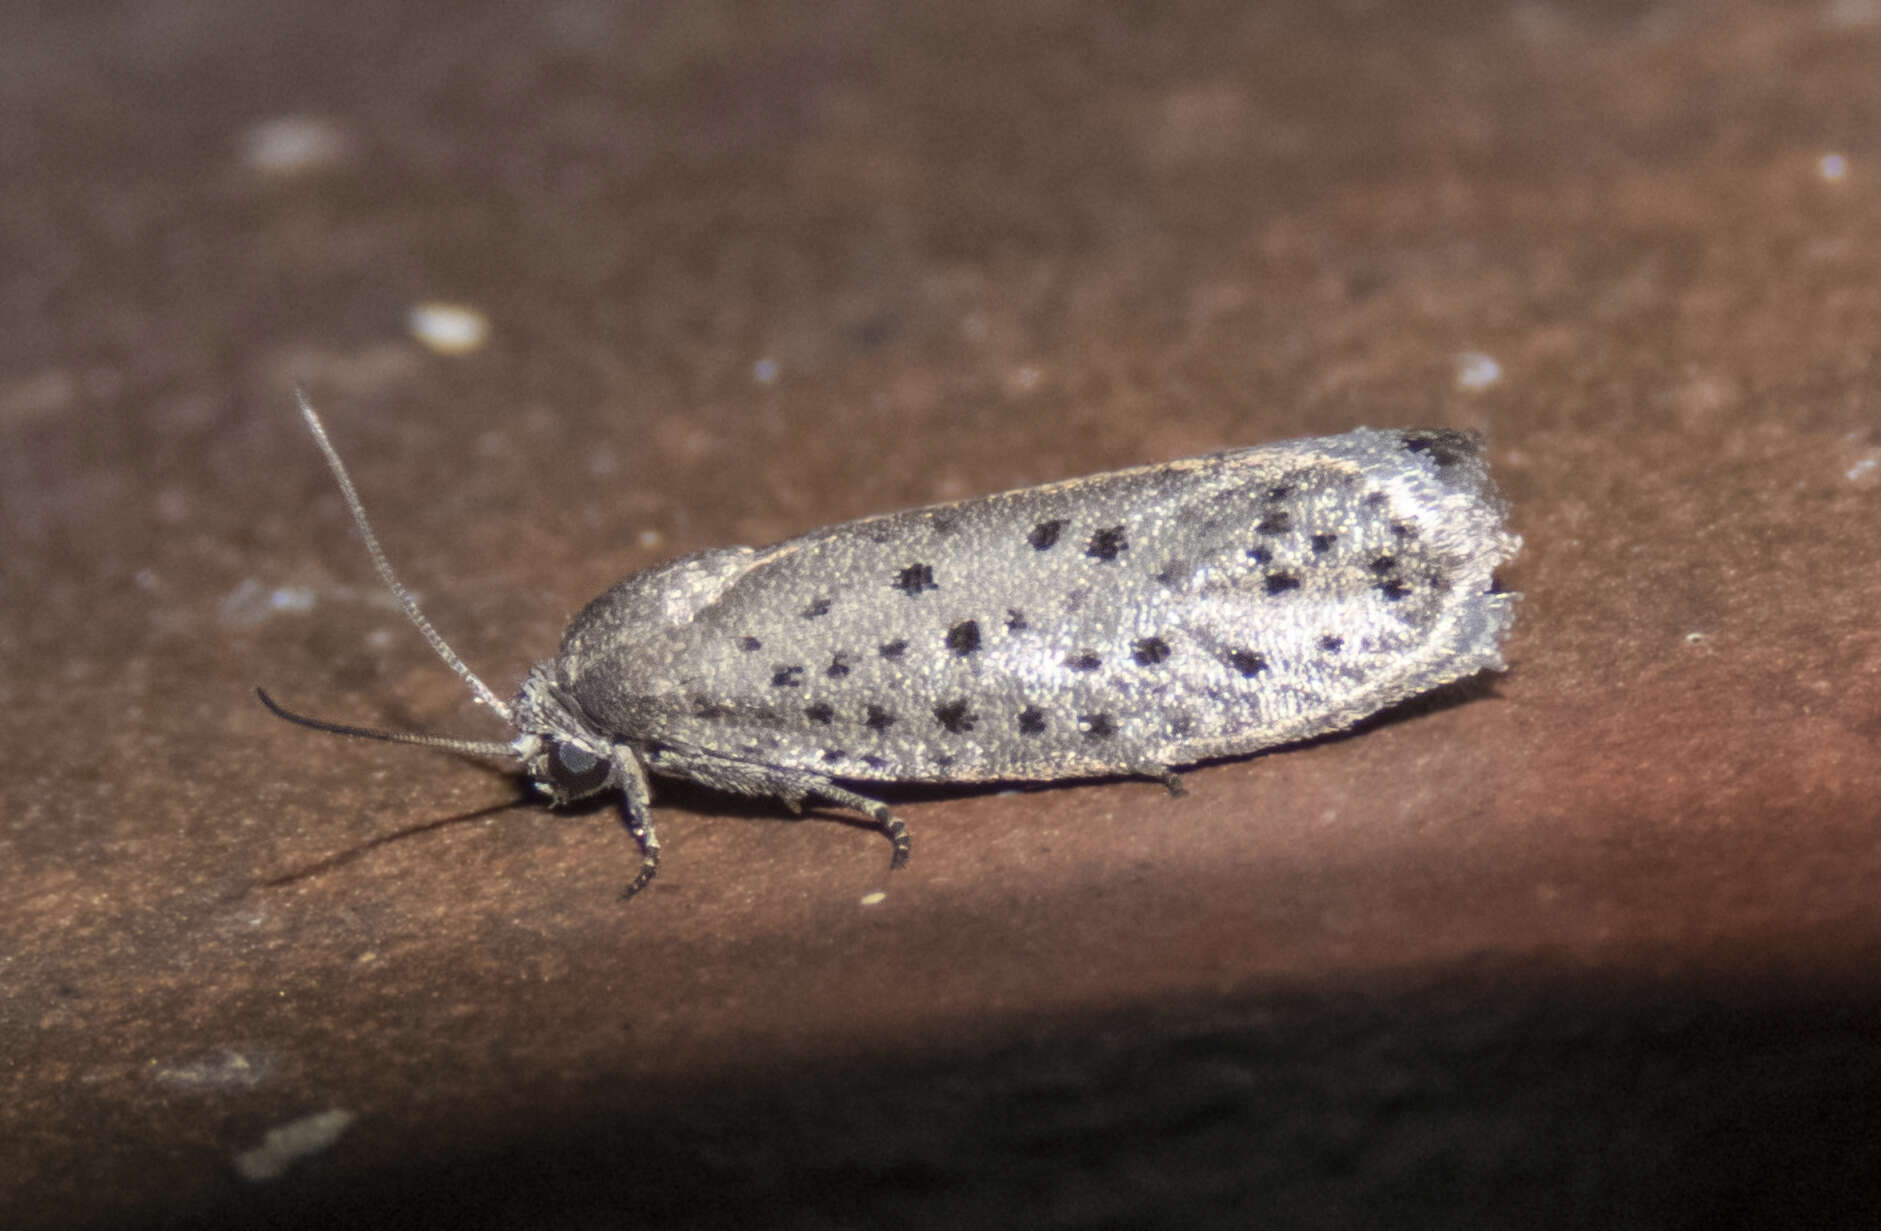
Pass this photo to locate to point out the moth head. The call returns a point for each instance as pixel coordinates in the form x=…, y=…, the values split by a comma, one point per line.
x=562, y=753
x=565, y=757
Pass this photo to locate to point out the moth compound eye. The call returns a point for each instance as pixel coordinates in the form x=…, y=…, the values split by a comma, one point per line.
x=574, y=771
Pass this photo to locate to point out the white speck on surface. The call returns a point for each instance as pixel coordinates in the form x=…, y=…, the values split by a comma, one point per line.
x=45, y=394
x=282, y=1147
x=1694, y=638
x=1832, y=167
x=602, y=463
x=252, y=603
x=1850, y=14
x=224, y=1069
x=764, y=371
x=874, y=899
x=448, y=328
x=1476, y=370
x=650, y=538
x=172, y=506
x=296, y=145
x=1863, y=469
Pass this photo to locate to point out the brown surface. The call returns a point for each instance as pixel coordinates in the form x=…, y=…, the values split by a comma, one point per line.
x=1598, y=943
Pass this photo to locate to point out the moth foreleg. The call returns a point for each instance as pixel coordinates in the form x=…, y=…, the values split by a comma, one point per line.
x=636, y=806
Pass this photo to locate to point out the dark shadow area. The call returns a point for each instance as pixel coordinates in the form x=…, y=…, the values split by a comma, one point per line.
x=1493, y=1095
x=352, y=854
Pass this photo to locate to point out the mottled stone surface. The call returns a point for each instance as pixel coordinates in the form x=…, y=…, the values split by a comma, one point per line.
x=1594, y=943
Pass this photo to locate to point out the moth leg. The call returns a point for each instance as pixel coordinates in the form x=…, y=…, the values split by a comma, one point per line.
x=1171, y=780
x=875, y=810
x=636, y=803
x=791, y=786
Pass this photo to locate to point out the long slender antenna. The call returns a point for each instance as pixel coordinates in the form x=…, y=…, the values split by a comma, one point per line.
x=469, y=747
x=391, y=581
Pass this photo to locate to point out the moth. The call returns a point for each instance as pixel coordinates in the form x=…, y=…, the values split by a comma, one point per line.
x=1124, y=624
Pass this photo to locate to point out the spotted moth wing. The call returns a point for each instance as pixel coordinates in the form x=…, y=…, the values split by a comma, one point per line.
x=1121, y=623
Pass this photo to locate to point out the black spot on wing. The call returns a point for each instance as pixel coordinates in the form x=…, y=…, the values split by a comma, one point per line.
x=1391, y=581
x=1107, y=544
x=915, y=579
x=964, y=638
x=955, y=716
x=1446, y=448
x=1247, y=662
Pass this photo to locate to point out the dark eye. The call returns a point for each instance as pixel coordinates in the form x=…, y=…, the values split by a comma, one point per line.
x=575, y=771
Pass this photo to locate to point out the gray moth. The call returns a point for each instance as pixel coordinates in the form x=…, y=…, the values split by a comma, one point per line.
x=1126, y=623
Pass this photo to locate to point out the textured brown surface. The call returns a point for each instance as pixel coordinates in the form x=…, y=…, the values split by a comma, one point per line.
x=1595, y=942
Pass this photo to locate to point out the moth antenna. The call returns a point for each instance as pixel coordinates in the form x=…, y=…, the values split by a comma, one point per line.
x=391, y=581
x=469, y=747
